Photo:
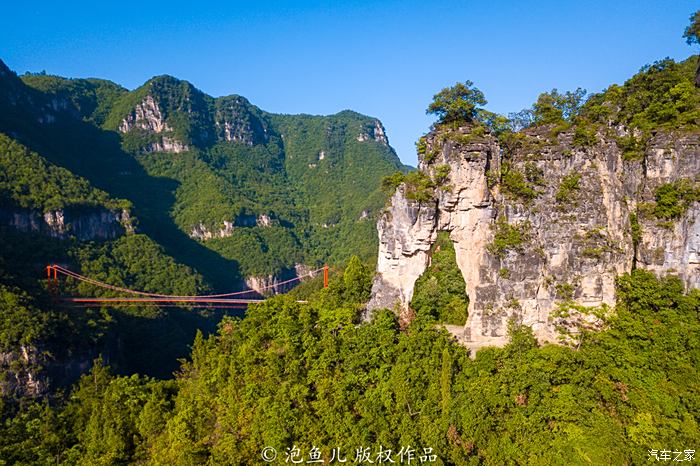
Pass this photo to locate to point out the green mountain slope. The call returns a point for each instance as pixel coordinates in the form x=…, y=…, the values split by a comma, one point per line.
x=226, y=188
x=80, y=188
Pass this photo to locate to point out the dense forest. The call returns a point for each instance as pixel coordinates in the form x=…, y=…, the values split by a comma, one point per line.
x=310, y=376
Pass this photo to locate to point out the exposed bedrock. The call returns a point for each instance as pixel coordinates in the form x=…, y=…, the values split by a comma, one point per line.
x=574, y=242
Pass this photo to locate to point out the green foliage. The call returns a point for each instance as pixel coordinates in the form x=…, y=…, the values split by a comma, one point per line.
x=519, y=185
x=673, y=199
x=29, y=181
x=440, y=291
x=343, y=186
x=21, y=323
x=312, y=374
x=457, y=104
x=290, y=372
x=92, y=98
x=419, y=187
x=633, y=148
x=692, y=32
x=497, y=124
x=584, y=135
x=508, y=237
x=551, y=108
x=661, y=95
x=391, y=182
x=521, y=338
x=421, y=146
x=357, y=279
x=635, y=229
x=442, y=174
x=567, y=189
x=316, y=177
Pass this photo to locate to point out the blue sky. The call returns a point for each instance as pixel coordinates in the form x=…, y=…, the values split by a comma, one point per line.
x=381, y=58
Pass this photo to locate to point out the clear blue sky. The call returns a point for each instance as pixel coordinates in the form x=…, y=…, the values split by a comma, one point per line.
x=381, y=58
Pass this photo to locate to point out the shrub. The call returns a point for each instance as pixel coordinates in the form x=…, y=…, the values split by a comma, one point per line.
x=673, y=199
x=419, y=187
x=391, y=182
x=508, y=237
x=421, y=146
x=632, y=148
x=569, y=185
x=515, y=184
x=584, y=135
x=442, y=174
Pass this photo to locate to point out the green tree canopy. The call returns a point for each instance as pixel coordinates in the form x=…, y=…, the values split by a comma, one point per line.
x=692, y=32
x=692, y=36
x=554, y=107
x=459, y=103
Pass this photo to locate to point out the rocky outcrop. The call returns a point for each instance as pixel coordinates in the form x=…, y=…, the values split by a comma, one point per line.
x=267, y=285
x=236, y=120
x=167, y=144
x=573, y=243
x=264, y=220
x=200, y=120
x=22, y=374
x=375, y=132
x=83, y=224
x=148, y=117
x=201, y=232
x=34, y=370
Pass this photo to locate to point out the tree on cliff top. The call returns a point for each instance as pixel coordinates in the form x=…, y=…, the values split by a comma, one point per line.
x=692, y=36
x=458, y=103
x=692, y=32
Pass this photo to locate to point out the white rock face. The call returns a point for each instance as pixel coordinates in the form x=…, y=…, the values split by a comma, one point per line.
x=581, y=244
x=236, y=132
x=406, y=233
x=167, y=144
x=267, y=285
x=263, y=221
x=379, y=133
x=148, y=116
x=22, y=373
x=375, y=132
x=201, y=232
x=88, y=225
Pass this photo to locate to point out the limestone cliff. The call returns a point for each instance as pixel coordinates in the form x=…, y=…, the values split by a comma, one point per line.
x=268, y=285
x=84, y=224
x=574, y=230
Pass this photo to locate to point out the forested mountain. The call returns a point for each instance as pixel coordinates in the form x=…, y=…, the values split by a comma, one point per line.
x=165, y=189
x=261, y=192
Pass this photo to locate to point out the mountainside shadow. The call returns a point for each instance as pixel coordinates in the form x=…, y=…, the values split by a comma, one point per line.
x=96, y=154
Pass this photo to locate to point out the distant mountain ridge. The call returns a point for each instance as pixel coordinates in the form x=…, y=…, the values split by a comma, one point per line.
x=168, y=190
x=264, y=192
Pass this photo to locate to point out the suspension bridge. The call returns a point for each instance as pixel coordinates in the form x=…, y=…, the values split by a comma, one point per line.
x=236, y=299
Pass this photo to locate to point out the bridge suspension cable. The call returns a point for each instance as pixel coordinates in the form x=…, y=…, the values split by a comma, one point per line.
x=143, y=297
